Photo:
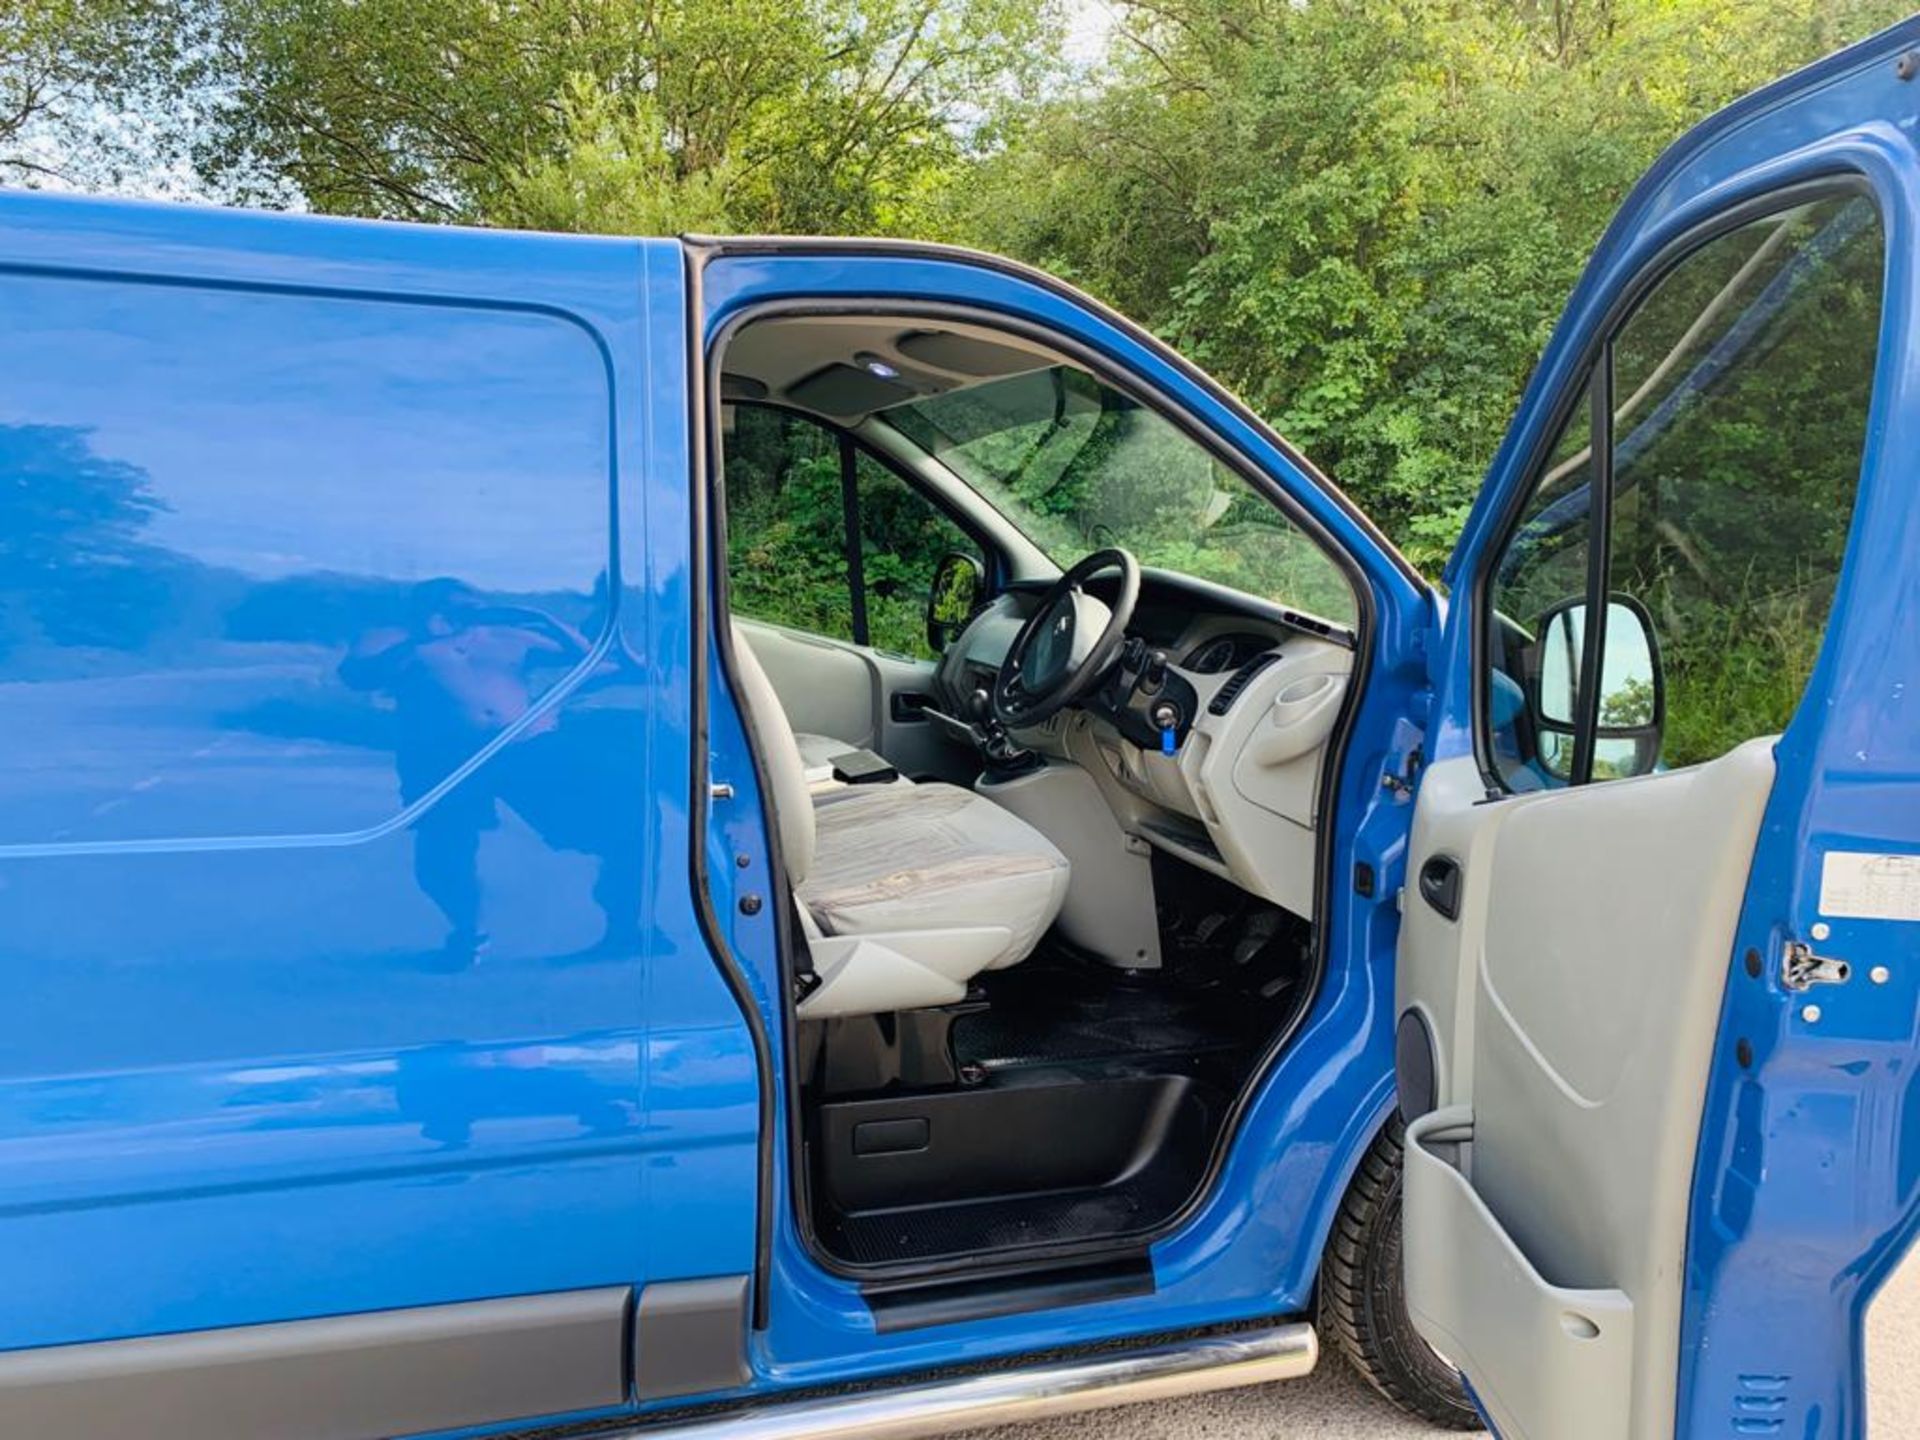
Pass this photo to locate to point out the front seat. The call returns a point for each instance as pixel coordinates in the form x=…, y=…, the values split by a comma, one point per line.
x=906, y=892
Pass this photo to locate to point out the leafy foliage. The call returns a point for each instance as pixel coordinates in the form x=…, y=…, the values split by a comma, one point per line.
x=62, y=64
x=763, y=115
x=1366, y=216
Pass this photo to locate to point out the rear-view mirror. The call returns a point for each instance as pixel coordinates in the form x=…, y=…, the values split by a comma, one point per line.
x=1631, y=688
x=953, y=597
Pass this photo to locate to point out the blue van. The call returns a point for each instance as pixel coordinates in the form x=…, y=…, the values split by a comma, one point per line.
x=797, y=838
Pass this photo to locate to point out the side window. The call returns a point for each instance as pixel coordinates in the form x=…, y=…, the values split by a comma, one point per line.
x=902, y=539
x=1743, y=386
x=824, y=538
x=1738, y=392
x=1532, y=692
x=786, y=522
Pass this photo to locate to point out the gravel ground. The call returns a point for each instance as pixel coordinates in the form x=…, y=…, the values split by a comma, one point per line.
x=1893, y=1348
x=1331, y=1404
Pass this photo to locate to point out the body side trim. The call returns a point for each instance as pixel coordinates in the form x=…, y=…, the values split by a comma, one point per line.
x=690, y=1337
x=347, y=1377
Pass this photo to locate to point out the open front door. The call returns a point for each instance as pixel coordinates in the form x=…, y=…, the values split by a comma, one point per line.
x=1661, y=941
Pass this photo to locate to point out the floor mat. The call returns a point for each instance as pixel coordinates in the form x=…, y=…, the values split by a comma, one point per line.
x=1060, y=1011
x=1208, y=1018
x=932, y=1232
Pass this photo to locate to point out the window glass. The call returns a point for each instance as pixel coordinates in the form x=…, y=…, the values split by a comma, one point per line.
x=786, y=522
x=903, y=536
x=1546, y=565
x=787, y=553
x=277, y=564
x=1742, y=389
x=1078, y=466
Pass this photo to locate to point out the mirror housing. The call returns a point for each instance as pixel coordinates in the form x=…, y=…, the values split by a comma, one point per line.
x=1632, y=688
x=952, y=598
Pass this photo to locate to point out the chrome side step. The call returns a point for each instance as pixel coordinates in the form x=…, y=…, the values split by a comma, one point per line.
x=1006, y=1397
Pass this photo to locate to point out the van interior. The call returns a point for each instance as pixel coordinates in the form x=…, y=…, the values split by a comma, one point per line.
x=1045, y=696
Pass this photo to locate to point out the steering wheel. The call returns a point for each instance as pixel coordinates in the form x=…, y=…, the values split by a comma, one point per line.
x=1067, y=643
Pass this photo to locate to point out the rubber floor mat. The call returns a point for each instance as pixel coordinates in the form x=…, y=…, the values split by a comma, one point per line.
x=932, y=1232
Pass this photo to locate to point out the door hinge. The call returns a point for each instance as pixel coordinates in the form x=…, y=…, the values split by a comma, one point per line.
x=1801, y=969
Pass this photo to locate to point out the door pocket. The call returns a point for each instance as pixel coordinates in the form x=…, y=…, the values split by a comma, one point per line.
x=1549, y=1363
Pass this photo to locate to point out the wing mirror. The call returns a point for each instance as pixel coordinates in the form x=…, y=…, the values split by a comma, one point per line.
x=1632, y=689
x=958, y=581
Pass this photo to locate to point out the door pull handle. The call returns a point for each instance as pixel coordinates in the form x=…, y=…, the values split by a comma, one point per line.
x=1440, y=885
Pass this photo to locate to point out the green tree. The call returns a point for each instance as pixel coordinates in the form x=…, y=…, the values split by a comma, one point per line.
x=61, y=62
x=1365, y=215
x=764, y=115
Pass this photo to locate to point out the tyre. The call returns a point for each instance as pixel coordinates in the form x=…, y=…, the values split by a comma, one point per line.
x=1363, y=1298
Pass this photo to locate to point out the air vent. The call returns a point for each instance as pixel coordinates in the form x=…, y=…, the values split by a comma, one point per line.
x=1224, y=697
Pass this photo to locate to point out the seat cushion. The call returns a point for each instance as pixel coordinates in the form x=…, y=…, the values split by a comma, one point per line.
x=905, y=858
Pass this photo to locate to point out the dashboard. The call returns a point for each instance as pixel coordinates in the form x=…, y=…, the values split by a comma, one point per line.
x=1252, y=692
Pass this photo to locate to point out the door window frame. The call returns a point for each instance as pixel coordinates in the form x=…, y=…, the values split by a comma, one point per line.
x=1357, y=636
x=1591, y=383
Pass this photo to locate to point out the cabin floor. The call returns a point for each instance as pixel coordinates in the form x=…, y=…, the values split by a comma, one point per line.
x=1072, y=1102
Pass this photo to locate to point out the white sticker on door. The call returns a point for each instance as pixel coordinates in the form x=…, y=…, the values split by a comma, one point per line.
x=1857, y=885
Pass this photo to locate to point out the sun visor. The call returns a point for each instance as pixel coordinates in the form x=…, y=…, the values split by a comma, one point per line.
x=845, y=391
x=965, y=354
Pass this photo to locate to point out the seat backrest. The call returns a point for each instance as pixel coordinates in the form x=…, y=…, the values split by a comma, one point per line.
x=786, y=773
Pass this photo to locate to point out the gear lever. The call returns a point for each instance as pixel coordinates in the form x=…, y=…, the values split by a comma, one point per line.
x=1001, y=751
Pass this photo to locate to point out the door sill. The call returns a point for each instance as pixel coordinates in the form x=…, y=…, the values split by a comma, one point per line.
x=914, y=1304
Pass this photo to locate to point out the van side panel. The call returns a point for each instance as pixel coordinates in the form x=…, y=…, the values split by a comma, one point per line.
x=347, y=962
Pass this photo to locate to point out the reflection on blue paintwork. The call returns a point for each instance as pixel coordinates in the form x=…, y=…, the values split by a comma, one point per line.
x=347, y=959
x=219, y=509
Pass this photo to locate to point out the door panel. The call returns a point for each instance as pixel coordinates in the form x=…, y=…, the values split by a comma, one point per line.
x=1577, y=998
x=1680, y=1144
x=857, y=694
x=345, y=964
x=912, y=742
x=827, y=687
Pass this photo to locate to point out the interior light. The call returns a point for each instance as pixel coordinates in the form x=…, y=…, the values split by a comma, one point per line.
x=877, y=367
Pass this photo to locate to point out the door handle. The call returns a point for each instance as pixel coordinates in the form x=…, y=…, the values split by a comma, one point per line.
x=1440, y=885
